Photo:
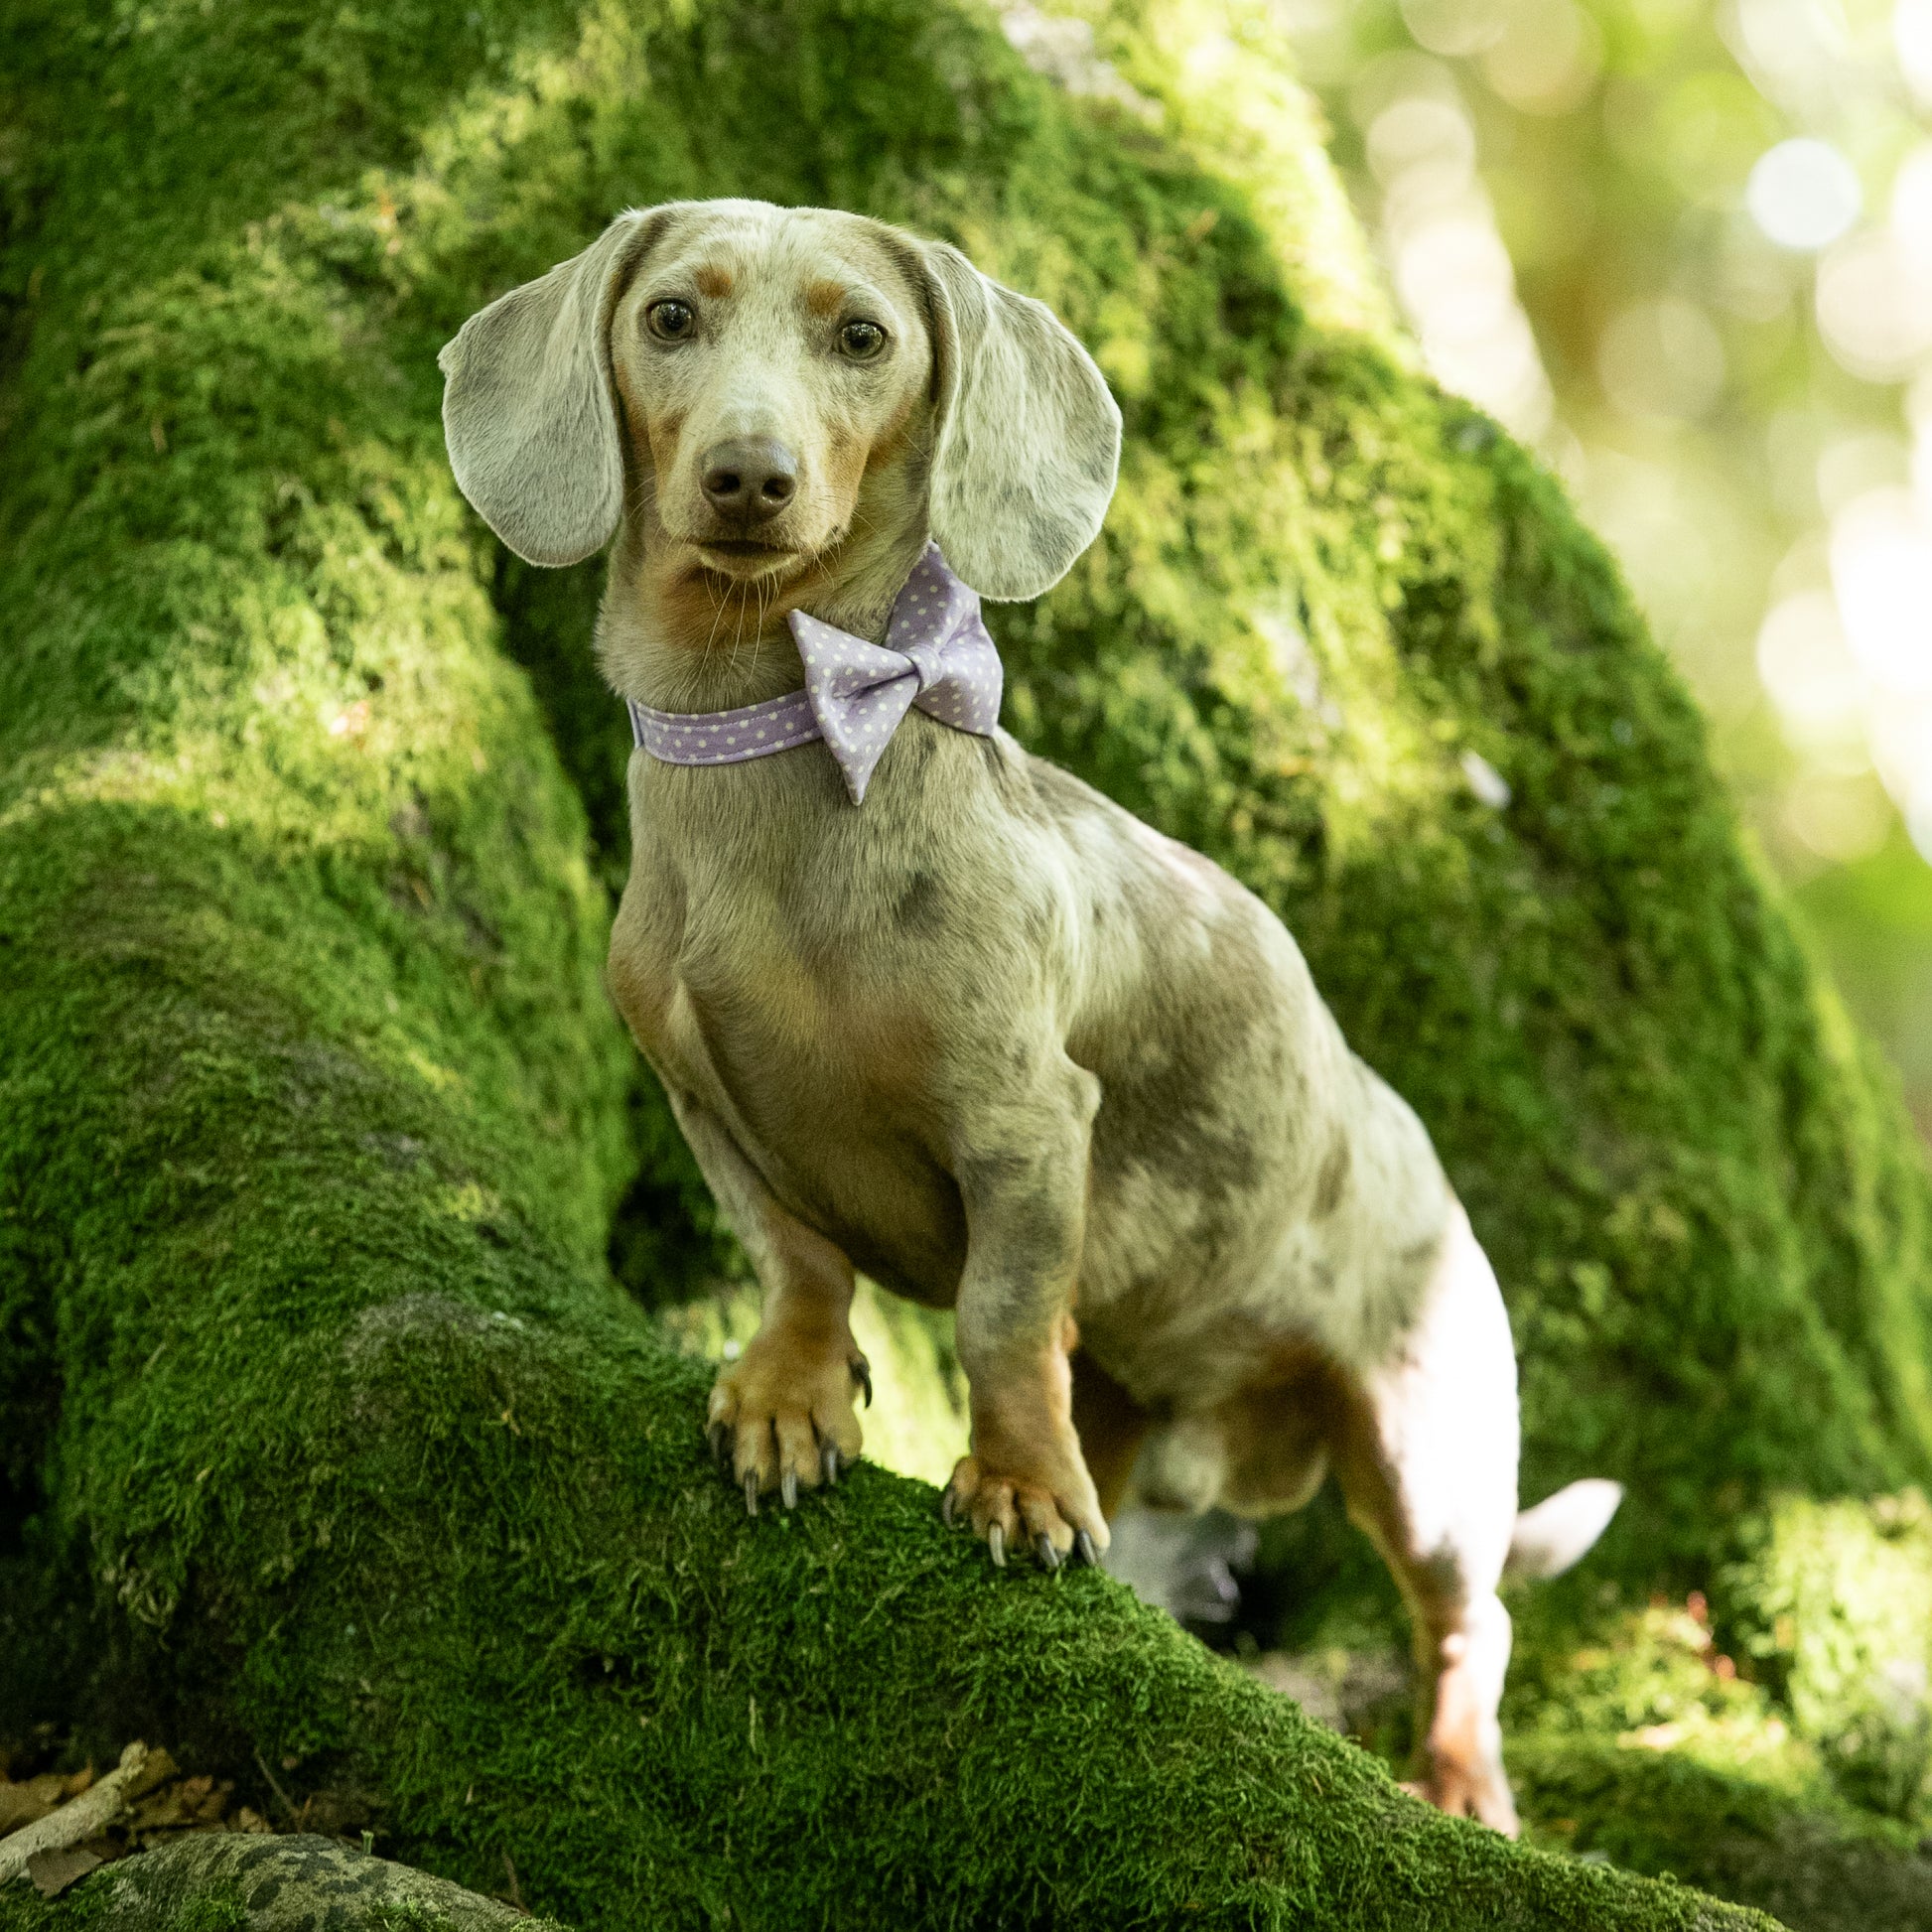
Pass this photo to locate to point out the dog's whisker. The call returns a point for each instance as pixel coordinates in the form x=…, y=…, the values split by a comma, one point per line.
x=717, y=617
x=738, y=630
x=757, y=636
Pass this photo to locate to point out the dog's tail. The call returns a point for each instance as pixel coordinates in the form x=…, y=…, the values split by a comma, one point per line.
x=1560, y=1527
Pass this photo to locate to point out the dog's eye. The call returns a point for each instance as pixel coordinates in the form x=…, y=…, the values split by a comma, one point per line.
x=671, y=322
x=862, y=340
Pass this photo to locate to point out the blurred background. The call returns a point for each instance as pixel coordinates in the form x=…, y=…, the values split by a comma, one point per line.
x=1685, y=251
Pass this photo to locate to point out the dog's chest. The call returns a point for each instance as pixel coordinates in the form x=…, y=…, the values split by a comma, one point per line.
x=782, y=987
x=746, y=1005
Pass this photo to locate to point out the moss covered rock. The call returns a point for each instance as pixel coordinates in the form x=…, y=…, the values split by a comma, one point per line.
x=231, y=1881
x=326, y=1431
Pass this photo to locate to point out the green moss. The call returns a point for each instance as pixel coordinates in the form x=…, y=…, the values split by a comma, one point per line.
x=326, y=1430
x=223, y=1909
x=1817, y=1869
x=409, y=1919
x=1767, y=1743
x=1830, y=1605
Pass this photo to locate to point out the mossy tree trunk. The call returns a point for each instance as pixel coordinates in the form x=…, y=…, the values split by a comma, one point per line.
x=326, y=1431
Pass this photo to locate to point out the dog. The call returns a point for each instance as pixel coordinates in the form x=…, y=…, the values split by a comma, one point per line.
x=984, y=1036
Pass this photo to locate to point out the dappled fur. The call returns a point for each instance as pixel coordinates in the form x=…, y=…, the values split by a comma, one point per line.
x=991, y=1039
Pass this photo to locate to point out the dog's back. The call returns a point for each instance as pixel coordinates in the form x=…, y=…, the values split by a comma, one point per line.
x=1255, y=1187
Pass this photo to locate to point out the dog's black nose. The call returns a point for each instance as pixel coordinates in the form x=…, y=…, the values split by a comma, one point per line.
x=749, y=480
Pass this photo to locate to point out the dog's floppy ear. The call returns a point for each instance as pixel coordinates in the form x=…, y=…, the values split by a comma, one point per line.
x=1028, y=434
x=528, y=407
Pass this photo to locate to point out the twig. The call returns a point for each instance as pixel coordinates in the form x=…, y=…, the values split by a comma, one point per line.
x=84, y=1817
x=288, y=1810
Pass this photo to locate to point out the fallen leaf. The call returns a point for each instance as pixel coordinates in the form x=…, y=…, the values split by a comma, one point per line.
x=23, y=1803
x=214, y=1807
x=161, y=1812
x=156, y=1770
x=53, y=1871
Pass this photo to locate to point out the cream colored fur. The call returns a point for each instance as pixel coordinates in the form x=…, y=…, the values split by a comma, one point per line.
x=987, y=1038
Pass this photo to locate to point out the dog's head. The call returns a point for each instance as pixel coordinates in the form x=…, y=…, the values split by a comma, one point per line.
x=754, y=386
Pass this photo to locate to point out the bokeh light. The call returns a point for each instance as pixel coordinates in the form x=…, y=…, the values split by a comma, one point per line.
x=1661, y=359
x=1685, y=249
x=1438, y=235
x=1875, y=307
x=1882, y=568
x=1547, y=57
x=1912, y=37
x=1809, y=669
x=1804, y=193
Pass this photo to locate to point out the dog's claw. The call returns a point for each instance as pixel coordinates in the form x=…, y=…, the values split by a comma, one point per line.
x=828, y=1463
x=788, y=1489
x=751, y=1492
x=1085, y=1551
x=996, y=1545
x=946, y=1508
x=1049, y=1558
x=861, y=1374
x=719, y=1434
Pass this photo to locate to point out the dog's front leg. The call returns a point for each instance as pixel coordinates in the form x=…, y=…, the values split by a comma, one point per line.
x=781, y=1414
x=1023, y=1177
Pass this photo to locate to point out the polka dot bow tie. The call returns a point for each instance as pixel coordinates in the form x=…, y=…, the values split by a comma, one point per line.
x=936, y=655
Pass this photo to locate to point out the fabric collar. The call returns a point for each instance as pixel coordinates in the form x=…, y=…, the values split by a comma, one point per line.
x=938, y=655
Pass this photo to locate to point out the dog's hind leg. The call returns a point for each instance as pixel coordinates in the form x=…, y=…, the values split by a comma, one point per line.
x=1427, y=1458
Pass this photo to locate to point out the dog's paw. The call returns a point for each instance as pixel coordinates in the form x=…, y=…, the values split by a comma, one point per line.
x=1463, y=1755
x=1052, y=1511
x=781, y=1417
x=1478, y=1791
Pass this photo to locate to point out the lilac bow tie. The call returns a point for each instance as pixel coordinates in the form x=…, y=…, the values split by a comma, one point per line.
x=936, y=655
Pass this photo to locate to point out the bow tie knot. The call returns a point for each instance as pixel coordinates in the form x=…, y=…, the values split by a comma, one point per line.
x=938, y=655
